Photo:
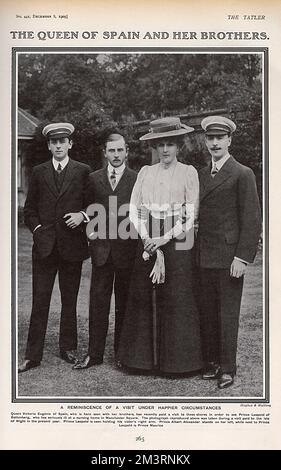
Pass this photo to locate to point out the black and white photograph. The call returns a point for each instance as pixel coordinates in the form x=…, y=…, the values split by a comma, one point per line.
x=140, y=205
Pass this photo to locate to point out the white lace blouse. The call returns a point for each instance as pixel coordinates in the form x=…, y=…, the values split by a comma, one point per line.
x=164, y=192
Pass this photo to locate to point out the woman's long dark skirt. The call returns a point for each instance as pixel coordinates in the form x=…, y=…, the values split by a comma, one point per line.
x=178, y=331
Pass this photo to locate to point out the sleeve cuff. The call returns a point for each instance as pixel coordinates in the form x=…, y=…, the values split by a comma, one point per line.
x=85, y=216
x=242, y=260
x=37, y=226
x=142, y=231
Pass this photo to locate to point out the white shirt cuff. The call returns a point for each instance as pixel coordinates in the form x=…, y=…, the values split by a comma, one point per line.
x=242, y=260
x=86, y=217
x=142, y=230
x=37, y=226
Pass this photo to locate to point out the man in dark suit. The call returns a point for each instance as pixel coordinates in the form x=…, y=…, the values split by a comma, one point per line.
x=53, y=213
x=229, y=230
x=112, y=246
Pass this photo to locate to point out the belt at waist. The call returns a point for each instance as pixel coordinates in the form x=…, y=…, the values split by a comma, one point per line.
x=163, y=214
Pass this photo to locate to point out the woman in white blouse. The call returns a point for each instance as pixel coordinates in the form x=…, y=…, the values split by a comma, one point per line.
x=161, y=331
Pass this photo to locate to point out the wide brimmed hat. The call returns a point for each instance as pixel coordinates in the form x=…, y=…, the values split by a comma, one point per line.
x=166, y=127
x=58, y=129
x=218, y=125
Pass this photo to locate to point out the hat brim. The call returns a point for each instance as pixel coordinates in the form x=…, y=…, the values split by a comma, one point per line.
x=59, y=135
x=160, y=135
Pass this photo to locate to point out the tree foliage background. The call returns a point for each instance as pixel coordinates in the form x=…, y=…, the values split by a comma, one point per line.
x=97, y=91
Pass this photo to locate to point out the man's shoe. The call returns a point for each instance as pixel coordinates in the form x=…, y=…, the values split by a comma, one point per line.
x=87, y=362
x=225, y=380
x=212, y=372
x=69, y=356
x=27, y=365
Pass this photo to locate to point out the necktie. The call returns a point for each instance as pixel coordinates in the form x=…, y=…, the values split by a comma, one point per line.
x=113, y=179
x=214, y=171
x=59, y=176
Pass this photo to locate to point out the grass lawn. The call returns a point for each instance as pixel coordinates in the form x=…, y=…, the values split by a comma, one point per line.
x=55, y=378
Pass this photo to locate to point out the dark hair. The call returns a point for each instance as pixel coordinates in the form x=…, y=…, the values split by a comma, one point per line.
x=179, y=140
x=115, y=136
x=110, y=134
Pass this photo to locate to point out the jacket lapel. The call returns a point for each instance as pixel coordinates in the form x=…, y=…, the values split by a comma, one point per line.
x=209, y=184
x=69, y=175
x=123, y=181
x=205, y=179
x=105, y=181
x=49, y=177
x=103, y=178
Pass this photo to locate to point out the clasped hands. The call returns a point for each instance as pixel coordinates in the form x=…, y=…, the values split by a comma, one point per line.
x=152, y=244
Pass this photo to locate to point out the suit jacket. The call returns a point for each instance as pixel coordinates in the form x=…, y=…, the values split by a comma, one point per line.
x=99, y=191
x=46, y=205
x=229, y=216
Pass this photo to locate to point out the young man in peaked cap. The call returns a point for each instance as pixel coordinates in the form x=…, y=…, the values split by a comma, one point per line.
x=229, y=231
x=53, y=213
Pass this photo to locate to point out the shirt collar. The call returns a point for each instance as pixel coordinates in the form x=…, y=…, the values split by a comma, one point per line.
x=63, y=162
x=119, y=170
x=220, y=162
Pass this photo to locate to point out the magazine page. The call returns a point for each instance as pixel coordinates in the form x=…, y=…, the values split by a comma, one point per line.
x=140, y=225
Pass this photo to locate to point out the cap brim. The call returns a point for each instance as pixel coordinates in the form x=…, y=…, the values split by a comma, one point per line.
x=159, y=135
x=60, y=135
x=218, y=132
